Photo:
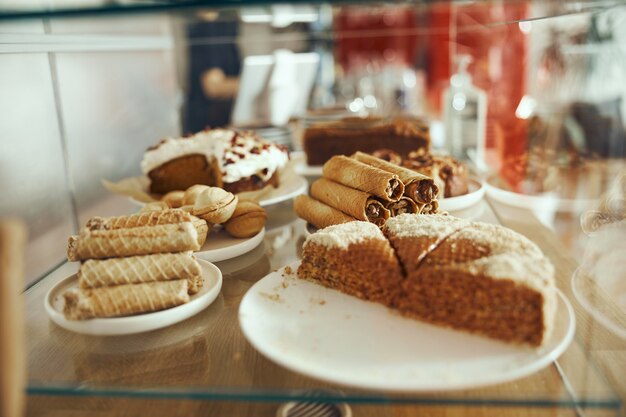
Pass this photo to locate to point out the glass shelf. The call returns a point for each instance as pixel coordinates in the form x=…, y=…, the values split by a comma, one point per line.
x=207, y=357
x=59, y=8
x=129, y=60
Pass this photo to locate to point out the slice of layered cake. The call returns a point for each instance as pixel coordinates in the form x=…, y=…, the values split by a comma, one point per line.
x=355, y=258
x=470, y=276
x=481, y=277
x=235, y=161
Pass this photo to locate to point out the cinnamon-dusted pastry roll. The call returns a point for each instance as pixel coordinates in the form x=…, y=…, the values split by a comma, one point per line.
x=358, y=204
x=402, y=206
x=150, y=218
x=418, y=187
x=124, y=300
x=99, y=244
x=372, y=180
x=317, y=213
x=139, y=269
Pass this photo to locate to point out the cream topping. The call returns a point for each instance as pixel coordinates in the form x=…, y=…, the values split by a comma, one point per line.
x=433, y=225
x=238, y=154
x=345, y=234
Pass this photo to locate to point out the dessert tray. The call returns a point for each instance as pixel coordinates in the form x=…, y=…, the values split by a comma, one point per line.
x=53, y=303
x=291, y=185
x=220, y=246
x=328, y=335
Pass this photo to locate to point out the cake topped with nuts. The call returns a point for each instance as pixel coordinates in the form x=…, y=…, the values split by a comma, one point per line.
x=236, y=161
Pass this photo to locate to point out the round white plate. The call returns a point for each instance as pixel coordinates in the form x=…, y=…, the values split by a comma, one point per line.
x=476, y=191
x=220, y=245
x=134, y=324
x=548, y=201
x=334, y=337
x=291, y=185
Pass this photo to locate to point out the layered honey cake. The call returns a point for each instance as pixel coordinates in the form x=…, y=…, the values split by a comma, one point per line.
x=347, y=136
x=355, y=258
x=471, y=276
x=225, y=158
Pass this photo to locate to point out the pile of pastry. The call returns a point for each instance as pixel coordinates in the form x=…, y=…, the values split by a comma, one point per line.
x=450, y=175
x=134, y=264
x=240, y=218
x=364, y=187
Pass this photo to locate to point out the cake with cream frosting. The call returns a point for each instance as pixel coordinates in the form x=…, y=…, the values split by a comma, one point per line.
x=235, y=161
x=470, y=276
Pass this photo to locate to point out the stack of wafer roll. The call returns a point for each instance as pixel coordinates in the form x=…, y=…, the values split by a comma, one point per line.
x=133, y=264
x=363, y=187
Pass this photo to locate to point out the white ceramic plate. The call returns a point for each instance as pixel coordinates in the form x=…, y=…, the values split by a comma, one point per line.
x=549, y=201
x=220, y=245
x=331, y=336
x=475, y=194
x=291, y=185
x=141, y=322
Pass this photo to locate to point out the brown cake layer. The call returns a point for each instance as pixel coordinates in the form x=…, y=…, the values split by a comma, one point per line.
x=367, y=270
x=345, y=137
x=252, y=183
x=453, y=297
x=181, y=173
x=185, y=171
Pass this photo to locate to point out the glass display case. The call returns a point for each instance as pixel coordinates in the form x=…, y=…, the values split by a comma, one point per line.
x=527, y=93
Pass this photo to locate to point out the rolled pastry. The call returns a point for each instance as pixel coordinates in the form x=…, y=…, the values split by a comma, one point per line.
x=139, y=269
x=358, y=204
x=355, y=174
x=430, y=208
x=402, y=206
x=150, y=218
x=99, y=244
x=418, y=187
x=202, y=227
x=317, y=213
x=124, y=300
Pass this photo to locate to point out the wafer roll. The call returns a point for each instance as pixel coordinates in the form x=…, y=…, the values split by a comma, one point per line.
x=355, y=174
x=358, y=204
x=317, y=213
x=418, y=187
x=430, y=208
x=138, y=269
x=151, y=218
x=99, y=244
x=404, y=205
x=124, y=300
